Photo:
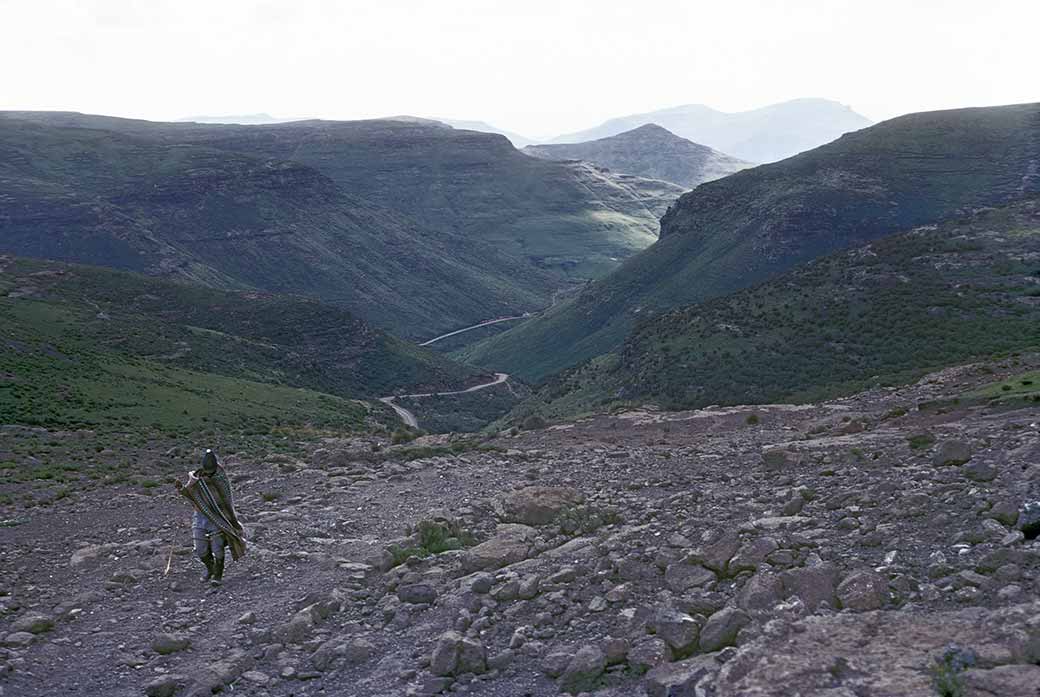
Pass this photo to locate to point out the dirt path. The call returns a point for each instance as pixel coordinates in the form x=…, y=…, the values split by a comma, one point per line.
x=475, y=326
x=409, y=418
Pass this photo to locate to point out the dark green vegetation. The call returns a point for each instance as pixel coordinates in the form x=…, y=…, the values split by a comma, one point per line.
x=881, y=314
x=746, y=228
x=93, y=348
x=648, y=151
x=370, y=215
x=432, y=537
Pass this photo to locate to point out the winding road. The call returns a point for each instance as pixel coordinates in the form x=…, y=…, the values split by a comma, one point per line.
x=475, y=326
x=409, y=418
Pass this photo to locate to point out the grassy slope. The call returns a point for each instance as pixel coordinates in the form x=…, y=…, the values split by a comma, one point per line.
x=745, y=228
x=83, y=343
x=879, y=314
x=234, y=221
x=463, y=211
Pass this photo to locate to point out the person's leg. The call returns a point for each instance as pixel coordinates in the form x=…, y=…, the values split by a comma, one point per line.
x=216, y=548
x=202, y=551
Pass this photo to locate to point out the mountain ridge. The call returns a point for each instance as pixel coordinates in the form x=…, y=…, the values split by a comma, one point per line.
x=650, y=151
x=765, y=134
x=737, y=231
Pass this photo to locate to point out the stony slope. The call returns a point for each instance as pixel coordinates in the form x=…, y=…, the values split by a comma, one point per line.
x=732, y=233
x=836, y=547
x=767, y=134
x=546, y=221
x=877, y=314
x=648, y=151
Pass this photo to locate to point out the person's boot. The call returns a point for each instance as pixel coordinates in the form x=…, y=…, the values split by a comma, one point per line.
x=218, y=570
x=207, y=559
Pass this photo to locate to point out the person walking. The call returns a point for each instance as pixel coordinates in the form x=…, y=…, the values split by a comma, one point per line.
x=214, y=524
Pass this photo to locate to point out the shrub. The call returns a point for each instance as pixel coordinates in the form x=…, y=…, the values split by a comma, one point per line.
x=752, y=420
x=534, y=423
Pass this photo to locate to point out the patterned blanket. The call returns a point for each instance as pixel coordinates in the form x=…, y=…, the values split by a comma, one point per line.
x=211, y=496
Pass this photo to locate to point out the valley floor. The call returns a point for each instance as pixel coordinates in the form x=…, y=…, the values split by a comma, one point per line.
x=832, y=549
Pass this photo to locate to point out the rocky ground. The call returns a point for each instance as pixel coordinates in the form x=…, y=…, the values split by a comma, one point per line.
x=863, y=547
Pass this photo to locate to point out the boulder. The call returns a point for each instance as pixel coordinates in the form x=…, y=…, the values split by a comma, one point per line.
x=1002, y=681
x=417, y=593
x=454, y=654
x=34, y=623
x=952, y=452
x=980, y=471
x=682, y=577
x=722, y=628
x=762, y=592
x=679, y=630
x=536, y=505
x=169, y=643
x=648, y=653
x=863, y=590
x=583, y=670
x=681, y=678
x=812, y=585
x=165, y=685
x=511, y=544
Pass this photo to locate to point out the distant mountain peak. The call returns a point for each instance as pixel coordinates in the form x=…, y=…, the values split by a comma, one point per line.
x=651, y=151
x=767, y=134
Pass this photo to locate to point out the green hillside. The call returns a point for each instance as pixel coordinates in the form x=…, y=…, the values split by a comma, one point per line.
x=880, y=314
x=238, y=222
x=85, y=346
x=368, y=214
x=741, y=230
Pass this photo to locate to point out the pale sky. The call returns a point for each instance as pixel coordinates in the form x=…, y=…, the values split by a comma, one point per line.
x=538, y=67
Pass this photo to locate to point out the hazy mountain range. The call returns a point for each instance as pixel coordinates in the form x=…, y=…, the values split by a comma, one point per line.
x=767, y=134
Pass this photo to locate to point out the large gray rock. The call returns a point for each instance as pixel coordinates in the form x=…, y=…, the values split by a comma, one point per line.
x=812, y=585
x=648, y=653
x=584, y=670
x=681, y=678
x=722, y=628
x=879, y=653
x=511, y=544
x=34, y=623
x=761, y=593
x=682, y=577
x=417, y=593
x=1002, y=681
x=536, y=505
x=169, y=643
x=679, y=630
x=863, y=590
x=980, y=471
x=165, y=685
x=952, y=452
x=454, y=654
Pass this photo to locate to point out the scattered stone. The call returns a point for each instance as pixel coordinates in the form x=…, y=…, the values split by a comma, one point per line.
x=169, y=643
